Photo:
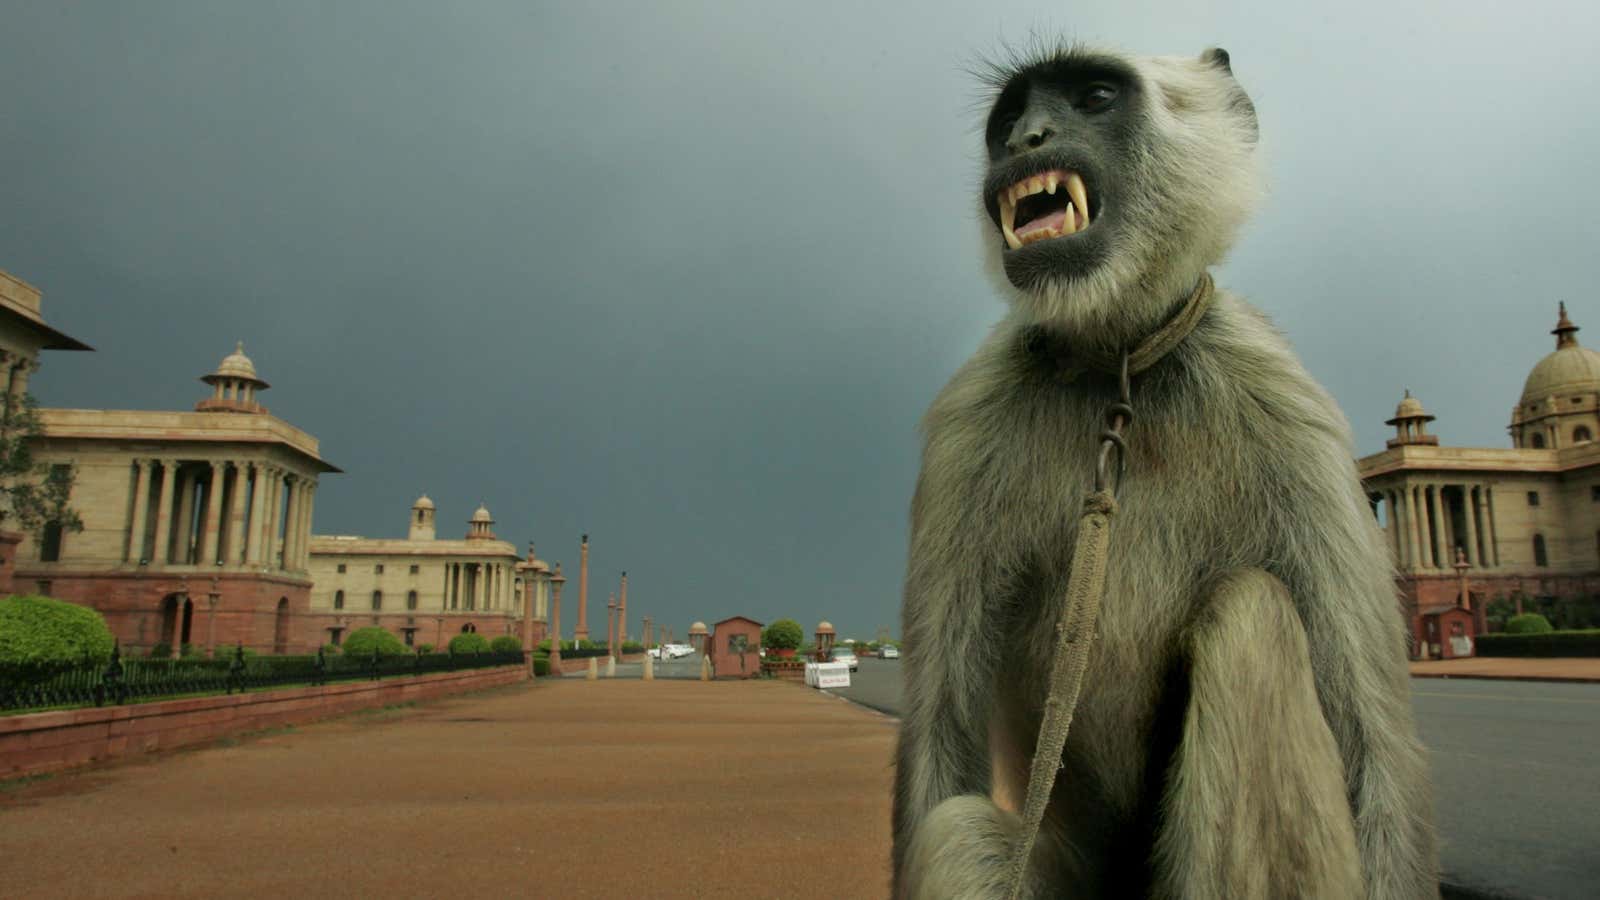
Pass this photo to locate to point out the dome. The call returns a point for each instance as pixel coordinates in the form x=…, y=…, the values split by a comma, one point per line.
x=697, y=628
x=237, y=365
x=1409, y=408
x=1571, y=369
x=422, y=503
x=482, y=515
x=825, y=627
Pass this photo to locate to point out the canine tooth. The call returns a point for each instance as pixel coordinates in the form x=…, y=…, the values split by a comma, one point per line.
x=1050, y=182
x=1068, y=223
x=1012, y=240
x=1079, y=194
x=1008, y=215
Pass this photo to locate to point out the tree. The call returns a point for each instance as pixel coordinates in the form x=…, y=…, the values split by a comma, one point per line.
x=33, y=496
x=784, y=634
x=363, y=641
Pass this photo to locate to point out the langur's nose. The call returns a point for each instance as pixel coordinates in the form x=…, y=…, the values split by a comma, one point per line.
x=1029, y=135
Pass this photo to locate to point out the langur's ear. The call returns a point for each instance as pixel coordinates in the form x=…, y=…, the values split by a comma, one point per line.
x=1218, y=57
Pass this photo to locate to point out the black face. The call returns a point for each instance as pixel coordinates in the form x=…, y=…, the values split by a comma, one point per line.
x=1058, y=138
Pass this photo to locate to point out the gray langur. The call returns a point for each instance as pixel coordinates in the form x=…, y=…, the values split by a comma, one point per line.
x=1244, y=728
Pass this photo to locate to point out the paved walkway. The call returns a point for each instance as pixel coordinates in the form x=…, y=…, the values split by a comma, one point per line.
x=560, y=788
x=1577, y=669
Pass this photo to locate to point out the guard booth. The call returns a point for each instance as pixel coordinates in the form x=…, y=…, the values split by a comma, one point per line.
x=734, y=648
x=1447, y=632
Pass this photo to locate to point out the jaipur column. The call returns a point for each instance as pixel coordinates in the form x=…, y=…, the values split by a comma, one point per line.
x=1410, y=528
x=291, y=508
x=583, y=591
x=237, y=498
x=141, y=491
x=258, y=494
x=169, y=478
x=213, y=525
x=1470, y=507
x=1436, y=513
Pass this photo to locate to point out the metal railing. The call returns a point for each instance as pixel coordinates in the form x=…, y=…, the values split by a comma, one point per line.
x=134, y=680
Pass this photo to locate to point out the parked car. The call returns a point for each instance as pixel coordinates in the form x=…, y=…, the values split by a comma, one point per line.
x=671, y=651
x=888, y=652
x=844, y=655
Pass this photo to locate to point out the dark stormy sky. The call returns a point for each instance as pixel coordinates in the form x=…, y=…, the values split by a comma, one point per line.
x=684, y=276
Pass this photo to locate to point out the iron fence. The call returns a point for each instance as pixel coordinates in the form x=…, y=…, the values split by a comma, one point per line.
x=133, y=680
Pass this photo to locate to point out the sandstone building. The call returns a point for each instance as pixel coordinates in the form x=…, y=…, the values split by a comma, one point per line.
x=424, y=588
x=1525, y=520
x=196, y=524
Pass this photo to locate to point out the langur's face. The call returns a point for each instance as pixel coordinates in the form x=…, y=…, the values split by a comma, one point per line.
x=1059, y=136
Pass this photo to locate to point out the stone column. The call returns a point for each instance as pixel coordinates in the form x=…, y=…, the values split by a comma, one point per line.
x=1410, y=528
x=141, y=491
x=1447, y=521
x=1420, y=504
x=622, y=614
x=1491, y=532
x=169, y=477
x=480, y=599
x=304, y=556
x=258, y=493
x=291, y=508
x=236, y=505
x=269, y=512
x=213, y=524
x=185, y=526
x=1437, y=505
x=176, y=640
x=582, y=633
x=1470, y=508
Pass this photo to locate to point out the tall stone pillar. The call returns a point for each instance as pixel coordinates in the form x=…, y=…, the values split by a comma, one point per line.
x=1470, y=508
x=1436, y=512
x=269, y=519
x=213, y=524
x=611, y=626
x=1491, y=532
x=184, y=554
x=1420, y=523
x=169, y=477
x=1409, y=528
x=258, y=493
x=1394, y=528
x=582, y=632
x=477, y=586
x=291, y=508
x=622, y=613
x=237, y=500
x=141, y=493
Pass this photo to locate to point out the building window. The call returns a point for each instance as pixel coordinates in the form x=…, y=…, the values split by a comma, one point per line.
x=415, y=569
x=1581, y=435
x=1594, y=492
x=377, y=569
x=338, y=599
x=50, y=543
x=334, y=635
x=1539, y=557
x=411, y=599
x=410, y=636
x=44, y=588
x=377, y=599
x=1533, y=498
x=341, y=568
x=1538, y=441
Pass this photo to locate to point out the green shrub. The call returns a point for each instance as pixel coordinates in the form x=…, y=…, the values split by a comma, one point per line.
x=330, y=649
x=424, y=649
x=632, y=647
x=784, y=634
x=1545, y=644
x=506, y=643
x=541, y=666
x=584, y=644
x=1528, y=623
x=469, y=642
x=363, y=641
x=41, y=632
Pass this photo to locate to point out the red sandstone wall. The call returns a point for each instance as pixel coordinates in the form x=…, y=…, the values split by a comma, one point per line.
x=580, y=665
x=50, y=741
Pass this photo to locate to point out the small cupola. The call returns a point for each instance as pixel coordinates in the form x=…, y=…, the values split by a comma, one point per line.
x=234, y=386
x=480, y=526
x=421, y=520
x=1411, y=424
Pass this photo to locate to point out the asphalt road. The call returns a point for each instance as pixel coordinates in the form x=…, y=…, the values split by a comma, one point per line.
x=1516, y=769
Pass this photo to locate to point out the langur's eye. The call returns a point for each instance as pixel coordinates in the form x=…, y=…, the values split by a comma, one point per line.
x=1097, y=98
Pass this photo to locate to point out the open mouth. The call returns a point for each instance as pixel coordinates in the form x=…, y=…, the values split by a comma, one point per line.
x=1048, y=205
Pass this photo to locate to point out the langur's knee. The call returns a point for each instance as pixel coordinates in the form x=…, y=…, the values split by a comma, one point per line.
x=961, y=851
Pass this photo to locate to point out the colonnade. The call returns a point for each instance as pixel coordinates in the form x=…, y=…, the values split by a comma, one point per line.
x=478, y=585
x=232, y=512
x=1422, y=530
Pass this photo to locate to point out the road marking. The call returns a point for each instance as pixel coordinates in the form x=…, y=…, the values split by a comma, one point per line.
x=1506, y=697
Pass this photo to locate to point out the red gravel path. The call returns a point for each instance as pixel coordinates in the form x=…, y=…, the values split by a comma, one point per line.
x=555, y=789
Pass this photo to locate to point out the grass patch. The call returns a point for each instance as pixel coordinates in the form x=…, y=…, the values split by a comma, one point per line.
x=8, y=785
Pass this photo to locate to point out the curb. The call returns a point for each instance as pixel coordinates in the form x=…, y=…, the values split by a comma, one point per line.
x=1555, y=679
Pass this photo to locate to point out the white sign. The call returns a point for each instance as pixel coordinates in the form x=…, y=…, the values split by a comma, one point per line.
x=828, y=675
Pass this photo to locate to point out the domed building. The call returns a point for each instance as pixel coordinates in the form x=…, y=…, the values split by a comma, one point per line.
x=426, y=589
x=1523, y=522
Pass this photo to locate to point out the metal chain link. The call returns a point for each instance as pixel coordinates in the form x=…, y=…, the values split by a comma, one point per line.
x=1118, y=416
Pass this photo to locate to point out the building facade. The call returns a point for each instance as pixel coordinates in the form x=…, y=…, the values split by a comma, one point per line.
x=1515, y=524
x=196, y=524
x=426, y=589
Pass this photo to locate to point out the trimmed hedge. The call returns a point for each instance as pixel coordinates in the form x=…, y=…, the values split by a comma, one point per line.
x=1528, y=623
x=469, y=642
x=40, y=632
x=330, y=649
x=1546, y=644
x=632, y=647
x=541, y=666
x=363, y=641
x=784, y=634
x=506, y=643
